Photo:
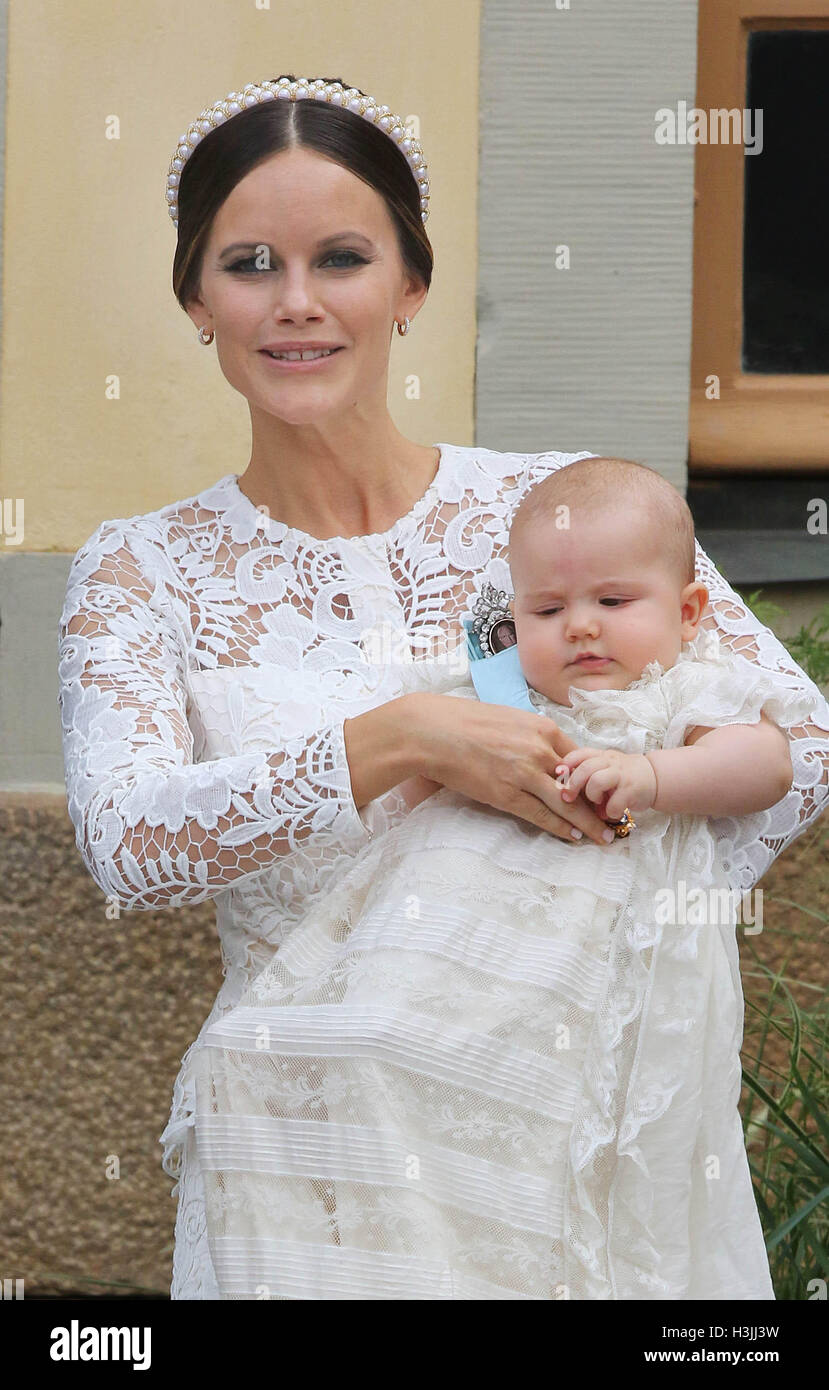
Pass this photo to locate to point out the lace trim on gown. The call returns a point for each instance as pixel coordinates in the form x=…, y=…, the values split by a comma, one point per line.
x=207, y=663
x=415, y=1017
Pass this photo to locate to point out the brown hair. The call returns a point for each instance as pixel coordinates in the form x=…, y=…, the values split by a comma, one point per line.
x=233, y=149
x=591, y=483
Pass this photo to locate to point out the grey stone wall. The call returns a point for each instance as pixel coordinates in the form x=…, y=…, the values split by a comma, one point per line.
x=598, y=356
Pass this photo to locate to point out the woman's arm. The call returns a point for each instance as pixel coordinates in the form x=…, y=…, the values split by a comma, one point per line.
x=154, y=828
x=752, y=842
x=416, y=789
x=381, y=752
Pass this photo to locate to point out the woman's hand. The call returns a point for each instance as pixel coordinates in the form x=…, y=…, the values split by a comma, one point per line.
x=417, y=789
x=501, y=756
x=612, y=779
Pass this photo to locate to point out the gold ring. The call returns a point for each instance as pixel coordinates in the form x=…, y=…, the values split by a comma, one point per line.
x=623, y=827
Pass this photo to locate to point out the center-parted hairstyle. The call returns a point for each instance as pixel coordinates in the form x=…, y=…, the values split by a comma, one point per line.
x=233, y=149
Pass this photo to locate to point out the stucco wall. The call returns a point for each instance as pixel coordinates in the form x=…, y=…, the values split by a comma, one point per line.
x=89, y=243
x=595, y=356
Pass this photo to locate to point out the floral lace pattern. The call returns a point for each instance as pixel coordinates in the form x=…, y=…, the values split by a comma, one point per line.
x=429, y=1089
x=207, y=662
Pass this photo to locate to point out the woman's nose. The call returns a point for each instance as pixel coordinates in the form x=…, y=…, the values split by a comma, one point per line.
x=296, y=295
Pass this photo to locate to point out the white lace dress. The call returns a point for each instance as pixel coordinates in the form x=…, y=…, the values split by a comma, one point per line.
x=491, y=1065
x=207, y=661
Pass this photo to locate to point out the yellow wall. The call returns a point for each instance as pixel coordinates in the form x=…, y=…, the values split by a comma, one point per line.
x=89, y=243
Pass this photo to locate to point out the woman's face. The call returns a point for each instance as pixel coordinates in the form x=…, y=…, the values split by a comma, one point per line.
x=599, y=587
x=304, y=251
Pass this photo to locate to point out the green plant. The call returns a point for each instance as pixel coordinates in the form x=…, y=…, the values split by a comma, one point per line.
x=809, y=646
x=785, y=1115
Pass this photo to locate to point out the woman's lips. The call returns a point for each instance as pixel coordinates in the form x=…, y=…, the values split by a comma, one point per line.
x=283, y=365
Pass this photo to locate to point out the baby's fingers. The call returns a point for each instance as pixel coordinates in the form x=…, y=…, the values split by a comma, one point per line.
x=602, y=781
x=574, y=757
x=565, y=767
x=615, y=806
x=573, y=779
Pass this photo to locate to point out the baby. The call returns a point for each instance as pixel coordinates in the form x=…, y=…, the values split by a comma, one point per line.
x=603, y=568
x=488, y=1064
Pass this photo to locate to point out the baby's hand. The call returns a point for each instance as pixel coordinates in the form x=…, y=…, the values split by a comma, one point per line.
x=617, y=780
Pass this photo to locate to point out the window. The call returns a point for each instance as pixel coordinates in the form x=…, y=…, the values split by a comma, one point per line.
x=760, y=341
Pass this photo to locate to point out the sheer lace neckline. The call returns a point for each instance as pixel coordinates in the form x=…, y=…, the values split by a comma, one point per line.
x=242, y=504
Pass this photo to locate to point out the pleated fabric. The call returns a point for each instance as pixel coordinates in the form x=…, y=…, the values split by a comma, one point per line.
x=491, y=1065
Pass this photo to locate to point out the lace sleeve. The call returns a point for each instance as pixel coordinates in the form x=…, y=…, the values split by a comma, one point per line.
x=752, y=842
x=154, y=828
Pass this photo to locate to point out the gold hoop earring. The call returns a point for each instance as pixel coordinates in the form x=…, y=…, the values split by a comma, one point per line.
x=206, y=340
x=403, y=328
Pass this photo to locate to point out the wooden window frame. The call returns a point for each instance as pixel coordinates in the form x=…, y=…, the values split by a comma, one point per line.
x=760, y=422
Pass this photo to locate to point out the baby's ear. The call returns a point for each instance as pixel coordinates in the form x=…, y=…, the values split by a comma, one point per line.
x=693, y=600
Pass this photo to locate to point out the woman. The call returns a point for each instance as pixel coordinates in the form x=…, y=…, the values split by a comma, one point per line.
x=242, y=697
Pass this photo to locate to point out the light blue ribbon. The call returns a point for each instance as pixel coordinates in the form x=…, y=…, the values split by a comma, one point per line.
x=498, y=679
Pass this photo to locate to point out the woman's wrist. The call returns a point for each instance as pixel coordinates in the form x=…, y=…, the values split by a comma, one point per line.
x=382, y=748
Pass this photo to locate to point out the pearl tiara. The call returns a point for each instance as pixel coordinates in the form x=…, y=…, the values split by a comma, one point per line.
x=283, y=89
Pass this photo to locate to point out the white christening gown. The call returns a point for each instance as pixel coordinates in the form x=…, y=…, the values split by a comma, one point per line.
x=207, y=662
x=491, y=1065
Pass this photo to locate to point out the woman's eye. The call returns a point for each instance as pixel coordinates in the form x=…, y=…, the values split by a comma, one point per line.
x=249, y=265
x=352, y=254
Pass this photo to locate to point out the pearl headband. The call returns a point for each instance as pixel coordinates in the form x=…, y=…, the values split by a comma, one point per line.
x=283, y=89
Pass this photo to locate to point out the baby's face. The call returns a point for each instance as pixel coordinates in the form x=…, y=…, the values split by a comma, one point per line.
x=600, y=588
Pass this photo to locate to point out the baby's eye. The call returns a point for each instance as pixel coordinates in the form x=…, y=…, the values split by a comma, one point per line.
x=545, y=612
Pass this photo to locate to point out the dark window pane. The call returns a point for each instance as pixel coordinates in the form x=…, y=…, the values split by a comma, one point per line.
x=786, y=241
